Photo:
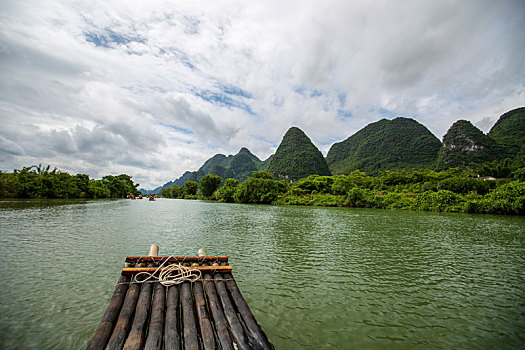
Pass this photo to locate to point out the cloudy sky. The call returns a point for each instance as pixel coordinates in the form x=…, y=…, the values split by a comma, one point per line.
x=154, y=88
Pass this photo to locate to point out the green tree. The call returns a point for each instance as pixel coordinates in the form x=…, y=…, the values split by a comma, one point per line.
x=82, y=182
x=506, y=199
x=166, y=193
x=464, y=185
x=319, y=184
x=343, y=183
x=209, y=184
x=519, y=174
x=259, y=189
x=502, y=169
x=98, y=189
x=173, y=192
x=30, y=183
x=227, y=192
x=9, y=185
x=120, y=186
x=190, y=188
x=263, y=174
x=39, y=181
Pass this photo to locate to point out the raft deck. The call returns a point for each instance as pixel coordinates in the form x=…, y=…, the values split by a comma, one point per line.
x=209, y=313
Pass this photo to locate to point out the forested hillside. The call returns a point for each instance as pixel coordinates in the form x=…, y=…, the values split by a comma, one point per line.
x=238, y=167
x=509, y=132
x=464, y=144
x=297, y=157
x=401, y=143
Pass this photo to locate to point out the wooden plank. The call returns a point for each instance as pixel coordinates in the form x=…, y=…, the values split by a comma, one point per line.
x=231, y=315
x=134, y=259
x=133, y=270
x=116, y=342
x=171, y=328
x=206, y=330
x=137, y=334
x=256, y=335
x=156, y=323
x=221, y=324
x=105, y=328
x=189, y=324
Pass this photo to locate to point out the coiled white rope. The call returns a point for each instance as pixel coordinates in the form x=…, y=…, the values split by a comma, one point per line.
x=172, y=274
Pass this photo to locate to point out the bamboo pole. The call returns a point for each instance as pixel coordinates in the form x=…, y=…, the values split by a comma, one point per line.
x=202, y=252
x=256, y=334
x=221, y=325
x=105, y=328
x=140, y=322
x=229, y=311
x=206, y=330
x=153, y=250
x=156, y=324
x=116, y=342
x=138, y=330
x=189, y=326
x=171, y=329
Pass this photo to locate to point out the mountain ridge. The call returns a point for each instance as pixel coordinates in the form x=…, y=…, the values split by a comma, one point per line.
x=238, y=166
x=506, y=139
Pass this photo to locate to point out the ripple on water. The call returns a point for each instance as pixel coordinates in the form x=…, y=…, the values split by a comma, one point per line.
x=315, y=278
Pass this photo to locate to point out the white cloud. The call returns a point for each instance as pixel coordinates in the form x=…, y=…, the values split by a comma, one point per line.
x=154, y=89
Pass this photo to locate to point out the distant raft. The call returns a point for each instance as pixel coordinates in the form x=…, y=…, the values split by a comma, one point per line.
x=178, y=302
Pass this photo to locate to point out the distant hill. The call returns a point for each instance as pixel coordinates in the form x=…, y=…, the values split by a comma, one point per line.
x=464, y=144
x=509, y=133
x=401, y=143
x=187, y=176
x=297, y=157
x=238, y=166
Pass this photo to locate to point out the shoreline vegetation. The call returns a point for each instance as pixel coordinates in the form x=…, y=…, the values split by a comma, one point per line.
x=37, y=181
x=500, y=191
x=452, y=190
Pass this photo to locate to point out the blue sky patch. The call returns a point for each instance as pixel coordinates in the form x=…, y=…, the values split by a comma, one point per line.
x=223, y=100
x=344, y=114
x=108, y=38
x=233, y=90
x=303, y=91
x=300, y=90
x=385, y=113
x=315, y=93
x=158, y=89
x=181, y=56
x=265, y=140
x=176, y=128
x=341, y=97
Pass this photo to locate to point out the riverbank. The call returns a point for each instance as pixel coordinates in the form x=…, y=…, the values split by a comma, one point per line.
x=508, y=199
x=425, y=190
x=39, y=182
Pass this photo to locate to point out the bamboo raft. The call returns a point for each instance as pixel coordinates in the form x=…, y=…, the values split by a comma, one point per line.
x=208, y=313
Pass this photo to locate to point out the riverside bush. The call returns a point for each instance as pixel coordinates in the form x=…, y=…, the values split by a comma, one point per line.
x=41, y=182
x=425, y=190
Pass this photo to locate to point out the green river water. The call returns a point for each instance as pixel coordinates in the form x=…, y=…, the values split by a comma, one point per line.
x=315, y=278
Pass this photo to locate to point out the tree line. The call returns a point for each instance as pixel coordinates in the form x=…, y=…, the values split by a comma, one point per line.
x=38, y=181
x=452, y=190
